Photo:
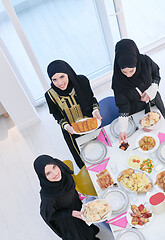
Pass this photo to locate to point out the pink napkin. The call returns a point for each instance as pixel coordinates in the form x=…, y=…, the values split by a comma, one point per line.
x=100, y=167
x=120, y=220
x=101, y=138
x=81, y=197
x=161, y=137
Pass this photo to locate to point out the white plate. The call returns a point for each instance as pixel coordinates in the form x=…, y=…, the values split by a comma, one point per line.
x=161, y=152
x=117, y=199
x=81, y=120
x=94, y=151
x=153, y=127
x=136, y=171
x=129, y=218
x=154, y=180
x=130, y=234
x=114, y=128
x=149, y=135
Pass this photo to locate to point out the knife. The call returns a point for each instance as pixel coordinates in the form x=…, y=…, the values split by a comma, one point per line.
x=105, y=137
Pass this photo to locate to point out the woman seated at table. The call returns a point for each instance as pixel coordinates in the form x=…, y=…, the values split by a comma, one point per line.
x=69, y=99
x=60, y=204
x=135, y=83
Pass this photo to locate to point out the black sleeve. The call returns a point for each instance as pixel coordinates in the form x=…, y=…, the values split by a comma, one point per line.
x=154, y=70
x=123, y=103
x=55, y=111
x=88, y=91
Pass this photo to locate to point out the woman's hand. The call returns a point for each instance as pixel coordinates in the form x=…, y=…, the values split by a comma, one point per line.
x=77, y=214
x=122, y=136
x=69, y=129
x=144, y=97
x=96, y=114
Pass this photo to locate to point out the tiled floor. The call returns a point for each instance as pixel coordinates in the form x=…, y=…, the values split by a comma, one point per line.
x=19, y=186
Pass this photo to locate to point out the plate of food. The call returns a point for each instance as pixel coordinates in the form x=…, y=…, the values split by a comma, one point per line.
x=96, y=211
x=85, y=125
x=147, y=142
x=104, y=179
x=150, y=121
x=94, y=151
x=130, y=234
x=117, y=199
x=115, y=130
x=139, y=216
x=135, y=181
x=159, y=181
x=141, y=163
x=161, y=152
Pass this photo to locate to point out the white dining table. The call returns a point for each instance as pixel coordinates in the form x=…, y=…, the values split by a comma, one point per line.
x=117, y=163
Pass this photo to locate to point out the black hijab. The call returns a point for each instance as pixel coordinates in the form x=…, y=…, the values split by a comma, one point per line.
x=59, y=66
x=127, y=56
x=53, y=189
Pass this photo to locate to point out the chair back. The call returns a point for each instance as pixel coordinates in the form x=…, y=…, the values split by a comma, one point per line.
x=108, y=110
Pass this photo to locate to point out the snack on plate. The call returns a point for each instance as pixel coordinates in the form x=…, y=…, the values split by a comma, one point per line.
x=140, y=215
x=85, y=126
x=94, y=211
x=147, y=165
x=136, y=182
x=150, y=119
x=124, y=145
x=160, y=180
x=147, y=143
x=104, y=179
x=135, y=161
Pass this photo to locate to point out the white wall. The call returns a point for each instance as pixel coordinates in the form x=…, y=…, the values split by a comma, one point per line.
x=14, y=98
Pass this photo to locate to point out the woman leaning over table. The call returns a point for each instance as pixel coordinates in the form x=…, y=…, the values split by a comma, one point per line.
x=135, y=83
x=60, y=204
x=69, y=99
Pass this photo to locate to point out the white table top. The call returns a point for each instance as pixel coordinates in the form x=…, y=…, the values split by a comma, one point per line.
x=117, y=163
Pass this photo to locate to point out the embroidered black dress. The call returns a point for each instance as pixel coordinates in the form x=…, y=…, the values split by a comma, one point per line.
x=147, y=72
x=58, y=200
x=68, y=106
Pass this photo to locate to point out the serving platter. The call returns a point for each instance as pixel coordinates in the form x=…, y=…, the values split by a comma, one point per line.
x=115, y=130
x=90, y=131
x=130, y=234
x=117, y=199
x=154, y=180
x=93, y=152
x=149, y=135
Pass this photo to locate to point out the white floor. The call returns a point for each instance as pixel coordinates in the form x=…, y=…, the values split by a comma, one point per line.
x=19, y=186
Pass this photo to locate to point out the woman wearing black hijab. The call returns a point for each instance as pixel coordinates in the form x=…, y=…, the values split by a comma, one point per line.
x=135, y=83
x=69, y=99
x=60, y=204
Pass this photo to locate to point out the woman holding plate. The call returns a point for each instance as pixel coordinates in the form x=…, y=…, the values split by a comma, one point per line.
x=135, y=83
x=69, y=99
x=60, y=204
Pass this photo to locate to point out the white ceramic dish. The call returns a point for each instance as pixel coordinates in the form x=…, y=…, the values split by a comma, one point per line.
x=93, y=152
x=161, y=152
x=81, y=120
x=154, y=180
x=149, y=135
x=153, y=127
x=114, y=128
x=129, y=218
x=117, y=199
x=130, y=234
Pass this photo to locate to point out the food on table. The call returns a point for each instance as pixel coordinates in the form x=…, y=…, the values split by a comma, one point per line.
x=147, y=165
x=85, y=126
x=147, y=143
x=124, y=145
x=140, y=215
x=134, y=161
x=104, y=179
x=94, y=211
x=135, y=181
x=150, y=119
x=160, y=180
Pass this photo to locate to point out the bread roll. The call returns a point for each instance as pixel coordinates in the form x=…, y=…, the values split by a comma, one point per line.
x=75, y=127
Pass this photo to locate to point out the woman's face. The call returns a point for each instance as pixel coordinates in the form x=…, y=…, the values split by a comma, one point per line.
x=60, y=80
x=53, y=173
x=129, y=72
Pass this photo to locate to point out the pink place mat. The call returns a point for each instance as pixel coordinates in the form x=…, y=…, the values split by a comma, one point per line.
x=101, y=138
x=100, y=167
x=161, y=137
